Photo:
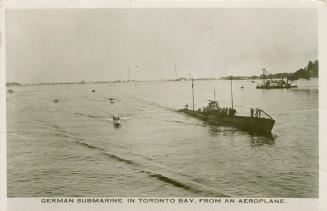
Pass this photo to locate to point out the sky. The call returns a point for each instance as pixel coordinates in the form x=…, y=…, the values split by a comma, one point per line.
x=69, y=45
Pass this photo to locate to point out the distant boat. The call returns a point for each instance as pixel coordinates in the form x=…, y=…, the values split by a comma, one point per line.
x=112, y=100
x=259, y=122
x=10, y=91
x=274, y=84
x=242, y=87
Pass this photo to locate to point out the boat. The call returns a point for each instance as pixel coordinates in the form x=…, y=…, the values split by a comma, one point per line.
x=112, y=100
x=274, y=84
x=259, y=122
x=116, y=120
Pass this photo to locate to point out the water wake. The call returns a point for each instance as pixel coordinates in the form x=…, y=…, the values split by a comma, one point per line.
x=187, y=185
x=154, y=104
x=154, y=170
x=91, y=116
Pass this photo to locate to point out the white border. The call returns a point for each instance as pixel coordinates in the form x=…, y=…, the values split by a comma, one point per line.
x=322, y=106
x=3, y=143
x=292, y=204
x=46, y=4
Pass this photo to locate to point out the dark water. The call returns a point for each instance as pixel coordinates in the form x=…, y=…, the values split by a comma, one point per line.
x=71, y=148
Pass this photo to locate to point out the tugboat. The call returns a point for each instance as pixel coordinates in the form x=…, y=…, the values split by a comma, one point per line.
x=259, y=122
x=274, y=84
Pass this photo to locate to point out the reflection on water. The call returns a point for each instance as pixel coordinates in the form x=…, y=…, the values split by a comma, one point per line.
x=222, y=131
x=253, y=140
x=262, y=140
x=116, y=126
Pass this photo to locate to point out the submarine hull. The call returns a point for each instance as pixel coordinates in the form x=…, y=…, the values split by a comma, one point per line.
x=275, y=87
x=253, y=125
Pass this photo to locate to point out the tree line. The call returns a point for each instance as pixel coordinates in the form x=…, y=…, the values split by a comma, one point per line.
x=309, y=71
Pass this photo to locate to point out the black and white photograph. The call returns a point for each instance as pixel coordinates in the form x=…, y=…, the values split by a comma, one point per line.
x=162, y=102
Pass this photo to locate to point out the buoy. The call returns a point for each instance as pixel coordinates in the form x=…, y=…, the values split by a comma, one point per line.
x=93, y=90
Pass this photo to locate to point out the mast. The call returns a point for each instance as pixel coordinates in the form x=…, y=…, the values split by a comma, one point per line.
x=192, y=95
x=128, y=74
x=231, y=90
x=176, y=75
x=214, y=94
